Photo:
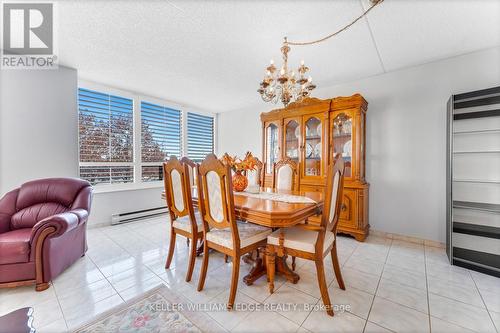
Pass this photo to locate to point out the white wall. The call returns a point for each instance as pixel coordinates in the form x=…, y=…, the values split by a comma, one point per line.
x=406, y=136
x=38, y=125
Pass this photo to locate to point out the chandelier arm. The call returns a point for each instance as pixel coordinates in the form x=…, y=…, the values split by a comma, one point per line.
x=376, y=2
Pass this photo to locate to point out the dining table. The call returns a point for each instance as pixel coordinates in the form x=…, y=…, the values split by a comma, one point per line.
x=274, y=209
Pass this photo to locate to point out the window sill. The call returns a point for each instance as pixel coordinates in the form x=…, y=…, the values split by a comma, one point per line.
x=126, y=187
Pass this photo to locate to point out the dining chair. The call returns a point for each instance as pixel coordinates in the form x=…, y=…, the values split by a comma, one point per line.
x=221, y=231
x=180, y=208
x=192, y=179
x=192, y=170
x=313, y=242
x=255, y=176
x=286, y=175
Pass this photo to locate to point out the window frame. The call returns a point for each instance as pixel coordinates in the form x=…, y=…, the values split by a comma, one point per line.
x=137, y=163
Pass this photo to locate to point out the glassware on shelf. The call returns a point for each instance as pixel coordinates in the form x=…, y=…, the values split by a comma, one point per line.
x=272, y=146
x=342, y=139
x=292, y=135
x=313, y=146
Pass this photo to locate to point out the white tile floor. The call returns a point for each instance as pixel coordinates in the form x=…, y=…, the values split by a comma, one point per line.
x=391, y=286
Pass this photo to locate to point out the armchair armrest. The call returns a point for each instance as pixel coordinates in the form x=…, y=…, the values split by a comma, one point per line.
x=61, y=223
x=7, y=208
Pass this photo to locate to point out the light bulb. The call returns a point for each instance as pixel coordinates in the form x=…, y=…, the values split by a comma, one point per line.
x=268, y=73
x=282, y=71
x=302, y=62
x=272, y=61
x=293, y=74
x=309, y=79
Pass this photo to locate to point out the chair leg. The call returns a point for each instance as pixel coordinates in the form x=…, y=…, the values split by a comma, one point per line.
x=320, y=271
x=171, y=249
x=271, y=261
x=336, y=267
x=293, y=263
x=192, y=257
x=204, y=266
x=234, y=281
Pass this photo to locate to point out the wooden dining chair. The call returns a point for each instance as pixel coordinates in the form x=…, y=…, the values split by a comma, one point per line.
x=192, y=170
x=255, y=176
x=183, y=219
x=286, y=175
x=221, y=231
x=313, y=242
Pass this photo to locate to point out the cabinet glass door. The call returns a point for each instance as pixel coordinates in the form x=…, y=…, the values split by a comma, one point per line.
x=272, y=146
x=342, y=139
x=292, y=136
x=313, y=147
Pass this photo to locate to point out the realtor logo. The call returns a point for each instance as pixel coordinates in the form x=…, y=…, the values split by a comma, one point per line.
x=28, y=36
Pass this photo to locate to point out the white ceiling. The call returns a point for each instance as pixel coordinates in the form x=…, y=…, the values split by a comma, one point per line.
x=212, y=54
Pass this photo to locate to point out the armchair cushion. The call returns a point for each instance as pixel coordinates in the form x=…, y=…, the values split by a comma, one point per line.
x=29, y=216
x=39, y=199
x=15, y=246
x=301, y=239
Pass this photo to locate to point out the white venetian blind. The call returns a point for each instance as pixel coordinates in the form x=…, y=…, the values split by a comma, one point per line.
x=160, y=138
x=105, y=137
x=200, y=136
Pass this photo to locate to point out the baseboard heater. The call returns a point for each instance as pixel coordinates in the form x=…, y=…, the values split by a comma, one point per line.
x=137, y=215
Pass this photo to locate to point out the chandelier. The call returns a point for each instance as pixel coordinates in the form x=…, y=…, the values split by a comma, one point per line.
x=285, y=85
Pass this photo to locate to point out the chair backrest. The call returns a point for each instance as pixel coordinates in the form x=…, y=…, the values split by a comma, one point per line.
x=39, y=199
x=178, y=190
x=333, y=201
x=255, y=176
x=286, y=175
x=333, y=196
x=215, y=196
x=192, y=170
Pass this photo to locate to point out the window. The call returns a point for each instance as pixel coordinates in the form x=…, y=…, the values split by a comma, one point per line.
x=106, y=137
x=125, y=137
x=200, y=136
x=161, y=135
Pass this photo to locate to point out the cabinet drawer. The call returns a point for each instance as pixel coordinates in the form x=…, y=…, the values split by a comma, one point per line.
x=348, y=209
x=311, y=188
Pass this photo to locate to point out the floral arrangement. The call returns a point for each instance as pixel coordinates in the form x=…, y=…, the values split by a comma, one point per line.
x=239, y=165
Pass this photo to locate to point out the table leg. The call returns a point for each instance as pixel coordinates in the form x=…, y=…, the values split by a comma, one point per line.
x=259, y=268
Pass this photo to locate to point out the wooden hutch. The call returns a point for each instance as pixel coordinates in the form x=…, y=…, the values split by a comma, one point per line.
x=311, y=133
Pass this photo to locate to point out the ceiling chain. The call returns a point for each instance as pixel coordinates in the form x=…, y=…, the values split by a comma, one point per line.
x=374, y=4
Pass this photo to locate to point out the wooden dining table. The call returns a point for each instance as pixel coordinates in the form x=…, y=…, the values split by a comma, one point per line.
x=273, y=214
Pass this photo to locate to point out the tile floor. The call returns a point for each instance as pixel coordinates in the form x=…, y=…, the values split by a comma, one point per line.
x=391, y=286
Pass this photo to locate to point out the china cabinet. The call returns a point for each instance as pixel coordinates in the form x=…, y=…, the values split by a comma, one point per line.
x=311, y=133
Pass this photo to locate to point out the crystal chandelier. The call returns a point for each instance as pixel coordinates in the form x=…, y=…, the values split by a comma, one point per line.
x=284, y=85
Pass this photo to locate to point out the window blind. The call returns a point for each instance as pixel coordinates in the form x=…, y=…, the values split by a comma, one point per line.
x=106, y=137
x=161, y=137
x=200, y=136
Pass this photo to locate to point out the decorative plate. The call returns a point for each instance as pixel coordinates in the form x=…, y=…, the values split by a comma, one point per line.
x=318, y=129
x=317, y=150
x=297, y=132
x=309, y=150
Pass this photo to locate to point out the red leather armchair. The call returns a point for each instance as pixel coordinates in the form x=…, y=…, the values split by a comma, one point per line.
x=42, y=230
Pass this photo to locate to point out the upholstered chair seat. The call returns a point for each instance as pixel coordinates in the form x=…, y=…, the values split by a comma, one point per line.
x=249, y=234
x=298, y=238
x=184, y=223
